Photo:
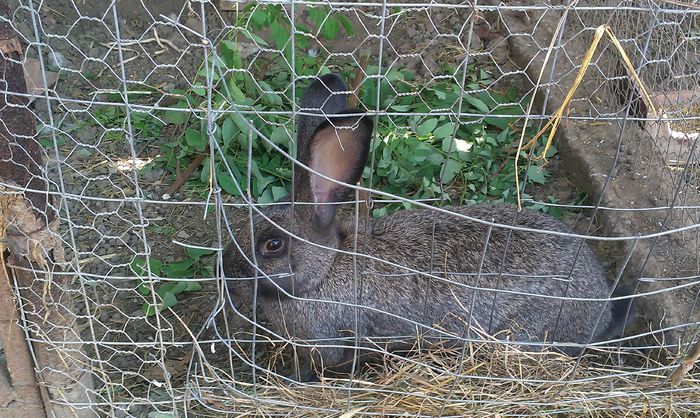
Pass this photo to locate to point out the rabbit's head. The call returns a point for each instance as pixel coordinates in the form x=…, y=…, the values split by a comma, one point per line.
x=292, y=243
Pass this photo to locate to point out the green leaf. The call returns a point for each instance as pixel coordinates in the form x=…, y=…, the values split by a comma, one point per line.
x=400, y=108
x=478, y=104
x=144, y=288
x=316, y=15
x=206, y=171
x=194, y=286
x=536, y=175
x=330, y=29
x=452, y=167
x=261, y=183
x=268, y=94
x=407, y=74
x=347, y=25
x=242, y=124
x=379, y=212
x=455, y=145
x=258, y=17
x=425, y=128
x=227, y=183
x=206, y=271
x=199, y=90
x=278, y=193
x=169, y=300
x=236, y=93
x=280, y=136
x=420, y=153
x=257, y=174
x=138, y=266
x=228, y=130
x=500, y=121
x=165, y=288
x=255, y=38
x=491, y=99
x=266, y=197
x=179, y=269
x=444, y=131
x=302, y=42
x=393, y=76
x=511, y=93
x=48, y=142
x=148, y=309
x=179, y=287
x=195, y=253
x=434, y=158
x=231, y=55
x=279, y=35
x=177, y=117
x=196, y=139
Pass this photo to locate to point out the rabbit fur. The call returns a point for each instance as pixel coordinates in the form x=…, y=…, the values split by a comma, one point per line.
x=309, y=283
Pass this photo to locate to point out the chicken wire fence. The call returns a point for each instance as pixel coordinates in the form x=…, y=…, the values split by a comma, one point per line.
x=162, y=132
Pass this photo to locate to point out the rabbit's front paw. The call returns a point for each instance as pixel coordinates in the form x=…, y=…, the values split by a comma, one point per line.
x=305, y=375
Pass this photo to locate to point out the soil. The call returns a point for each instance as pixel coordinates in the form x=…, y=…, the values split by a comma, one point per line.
x=111, y=215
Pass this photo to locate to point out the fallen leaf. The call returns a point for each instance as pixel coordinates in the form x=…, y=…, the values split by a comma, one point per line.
x=34, y=80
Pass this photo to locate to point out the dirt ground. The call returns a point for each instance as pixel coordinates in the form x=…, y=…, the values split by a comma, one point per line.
x=105, y=226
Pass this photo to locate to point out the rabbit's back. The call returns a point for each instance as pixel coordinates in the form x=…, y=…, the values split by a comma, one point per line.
x=528, y=282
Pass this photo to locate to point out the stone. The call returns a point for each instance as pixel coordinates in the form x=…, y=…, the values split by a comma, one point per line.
x=194, y=23
x=83, y=153
x=57, y=61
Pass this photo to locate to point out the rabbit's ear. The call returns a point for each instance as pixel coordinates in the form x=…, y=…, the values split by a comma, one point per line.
x=338, y=149
x=324, y=97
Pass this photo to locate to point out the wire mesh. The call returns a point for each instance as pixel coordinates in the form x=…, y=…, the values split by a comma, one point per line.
x=127, y=94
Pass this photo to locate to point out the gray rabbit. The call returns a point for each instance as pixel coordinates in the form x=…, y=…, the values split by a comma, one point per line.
x=312, y=288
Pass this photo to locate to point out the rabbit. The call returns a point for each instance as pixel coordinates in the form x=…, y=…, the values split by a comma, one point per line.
x=309, y=283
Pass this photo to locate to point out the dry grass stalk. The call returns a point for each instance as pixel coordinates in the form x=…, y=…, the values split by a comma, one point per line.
x=552, y=125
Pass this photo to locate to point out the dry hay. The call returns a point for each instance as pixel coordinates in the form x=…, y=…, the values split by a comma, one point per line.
x=491, y=380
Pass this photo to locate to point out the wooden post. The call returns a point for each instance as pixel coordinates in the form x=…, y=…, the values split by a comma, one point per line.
x=51, y=376
x=19, y=392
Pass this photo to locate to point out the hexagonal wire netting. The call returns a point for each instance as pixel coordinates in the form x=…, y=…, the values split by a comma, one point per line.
x=169, y=131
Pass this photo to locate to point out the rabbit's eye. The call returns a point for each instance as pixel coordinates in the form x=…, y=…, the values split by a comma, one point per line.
x=272, y=246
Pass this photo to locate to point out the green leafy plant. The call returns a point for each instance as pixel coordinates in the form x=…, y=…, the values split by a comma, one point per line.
x=162, y=229
x=256, y=88
x=46, y=138
x=111, y=118
x=554, y=211
x=464, y=160
x=436, y=155
x=184, y=270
